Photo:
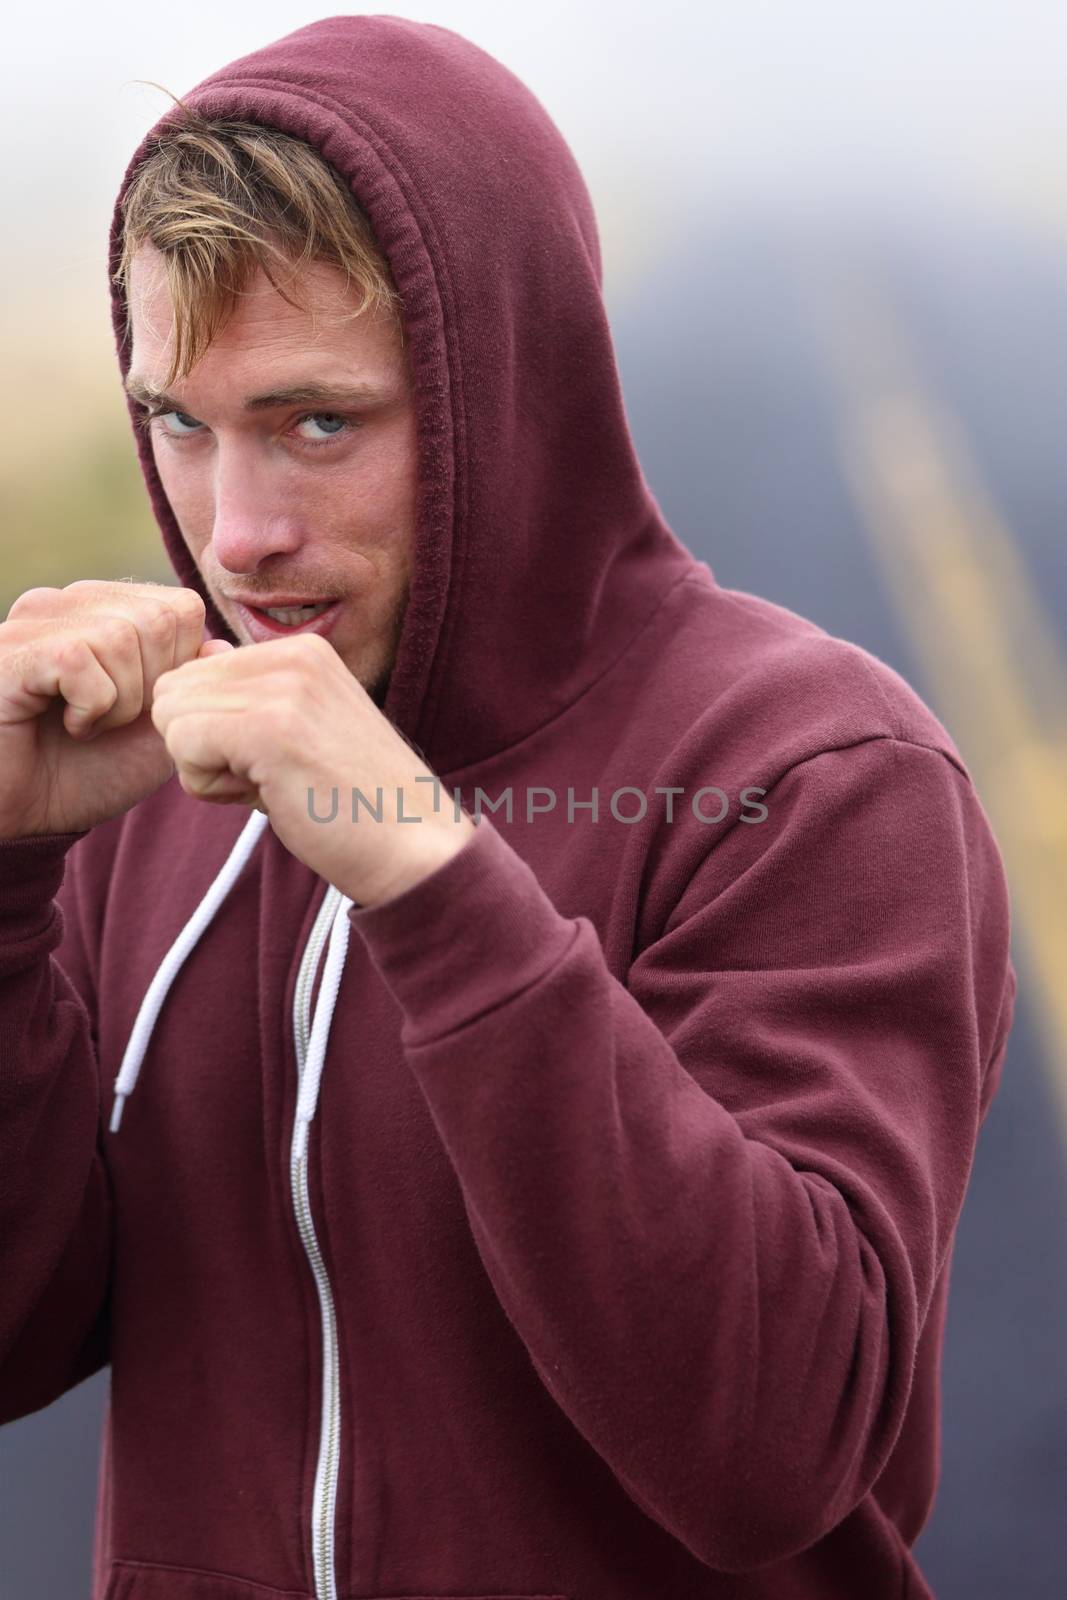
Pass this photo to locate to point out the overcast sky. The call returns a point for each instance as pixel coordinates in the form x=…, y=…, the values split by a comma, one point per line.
x=678, y=105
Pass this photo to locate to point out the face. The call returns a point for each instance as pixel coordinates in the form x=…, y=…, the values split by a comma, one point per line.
x=288, y=457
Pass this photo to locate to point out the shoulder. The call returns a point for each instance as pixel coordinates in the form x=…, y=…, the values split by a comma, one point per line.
x=768, y=689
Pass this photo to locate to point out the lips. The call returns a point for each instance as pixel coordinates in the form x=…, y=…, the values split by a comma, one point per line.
x=260, y=626
x=293, y=616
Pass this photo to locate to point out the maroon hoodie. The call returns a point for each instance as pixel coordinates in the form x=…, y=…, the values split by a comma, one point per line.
x=615, y=1266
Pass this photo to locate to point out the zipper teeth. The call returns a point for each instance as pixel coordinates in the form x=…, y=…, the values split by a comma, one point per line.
x=325, y=1494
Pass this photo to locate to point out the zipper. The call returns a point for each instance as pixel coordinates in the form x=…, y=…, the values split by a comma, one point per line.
x=324, y=1499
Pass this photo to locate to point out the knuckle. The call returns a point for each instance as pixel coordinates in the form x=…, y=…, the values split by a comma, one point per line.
x=314, y=645
x=33, y=600
x=122, y=638
x=96, y=585
x=189, y=603
x=158, y=618
x=305, y=655
x=71, y=653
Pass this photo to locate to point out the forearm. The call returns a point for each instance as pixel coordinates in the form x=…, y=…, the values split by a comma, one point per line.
x=713, y=1202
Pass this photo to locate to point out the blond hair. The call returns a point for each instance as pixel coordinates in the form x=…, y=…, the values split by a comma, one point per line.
x=220, y=198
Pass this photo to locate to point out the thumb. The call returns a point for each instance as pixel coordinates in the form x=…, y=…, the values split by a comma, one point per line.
x=213, y=647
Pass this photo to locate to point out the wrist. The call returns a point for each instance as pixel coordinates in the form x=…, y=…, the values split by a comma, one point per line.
x=428, y=846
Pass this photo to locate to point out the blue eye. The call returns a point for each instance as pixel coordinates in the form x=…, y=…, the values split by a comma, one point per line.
x=184, y=424
x=327, y=422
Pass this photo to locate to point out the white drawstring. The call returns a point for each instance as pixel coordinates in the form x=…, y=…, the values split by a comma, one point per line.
x=308, y=1098
x=173, y=960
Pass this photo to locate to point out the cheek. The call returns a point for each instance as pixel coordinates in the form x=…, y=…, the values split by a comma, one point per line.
x=386, y=482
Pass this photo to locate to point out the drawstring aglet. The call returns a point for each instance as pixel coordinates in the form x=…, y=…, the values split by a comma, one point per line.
x=116, y=1113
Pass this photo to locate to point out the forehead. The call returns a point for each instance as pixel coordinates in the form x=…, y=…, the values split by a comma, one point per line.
x=314, y=314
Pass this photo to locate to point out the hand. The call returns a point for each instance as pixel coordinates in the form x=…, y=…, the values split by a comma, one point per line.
x=280, y=726
x=77, y=670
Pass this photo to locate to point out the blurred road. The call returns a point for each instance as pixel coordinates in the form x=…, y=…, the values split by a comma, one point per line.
x=871, y=433
x=863, y=421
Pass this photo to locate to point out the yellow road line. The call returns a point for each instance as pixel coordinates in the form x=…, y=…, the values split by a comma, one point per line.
x=973, y=616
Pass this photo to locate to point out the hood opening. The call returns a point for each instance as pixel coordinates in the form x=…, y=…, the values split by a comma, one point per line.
x=540, y=551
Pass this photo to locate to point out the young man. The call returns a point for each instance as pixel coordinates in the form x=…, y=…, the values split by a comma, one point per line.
x=495, y=1025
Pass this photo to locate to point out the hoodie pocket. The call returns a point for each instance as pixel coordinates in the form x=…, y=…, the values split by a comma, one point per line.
x=135, y=1580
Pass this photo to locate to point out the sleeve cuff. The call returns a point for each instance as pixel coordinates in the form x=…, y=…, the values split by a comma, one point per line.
x=471, y=935
x=31, y=872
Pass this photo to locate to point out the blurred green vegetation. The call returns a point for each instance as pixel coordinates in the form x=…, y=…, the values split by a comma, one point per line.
x=83, y=514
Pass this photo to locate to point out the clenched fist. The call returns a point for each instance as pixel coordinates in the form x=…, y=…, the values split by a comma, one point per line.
x=78, y=667
x=272, y=725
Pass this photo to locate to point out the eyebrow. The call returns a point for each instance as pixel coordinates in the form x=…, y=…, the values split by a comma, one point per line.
x=299, y=394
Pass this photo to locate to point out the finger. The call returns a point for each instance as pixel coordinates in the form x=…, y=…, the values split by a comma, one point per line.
x=195, y=747
x=66, y=667
x=116, y=643
x=227, y=789
x=157, y=632
x=33, y=602
x=214, y=647
x=169, y=620
x=181, y=696
x=190, y=611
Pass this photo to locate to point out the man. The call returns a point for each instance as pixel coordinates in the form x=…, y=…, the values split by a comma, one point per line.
x=495, y=1024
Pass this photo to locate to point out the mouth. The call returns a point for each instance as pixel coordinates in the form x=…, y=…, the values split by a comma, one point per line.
x=277, y=621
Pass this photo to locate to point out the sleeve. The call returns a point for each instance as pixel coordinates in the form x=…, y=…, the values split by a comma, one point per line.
x=55, y=1206
x=714, y=1200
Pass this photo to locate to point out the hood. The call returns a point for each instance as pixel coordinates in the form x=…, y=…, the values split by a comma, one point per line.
x=540, y=551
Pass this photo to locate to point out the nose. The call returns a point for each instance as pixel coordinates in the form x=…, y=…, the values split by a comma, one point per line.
x=251, y=524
